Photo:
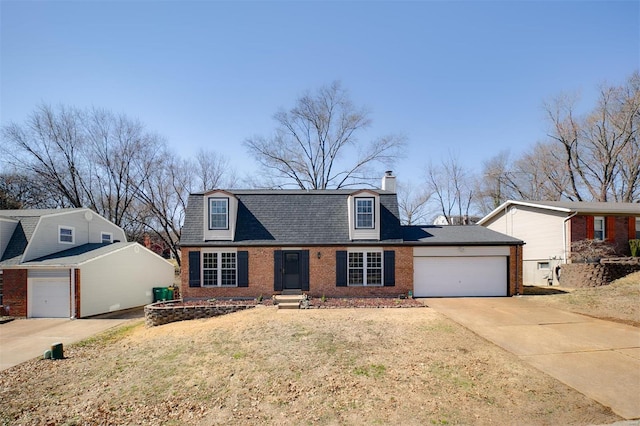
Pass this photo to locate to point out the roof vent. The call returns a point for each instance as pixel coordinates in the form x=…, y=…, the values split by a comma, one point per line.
x=389, y=181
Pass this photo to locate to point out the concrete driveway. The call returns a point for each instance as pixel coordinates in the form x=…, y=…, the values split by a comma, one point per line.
x=25, y=339
x=600, y=359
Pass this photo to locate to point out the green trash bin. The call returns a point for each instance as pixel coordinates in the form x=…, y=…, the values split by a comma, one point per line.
x=159, y=294
x=169, y=293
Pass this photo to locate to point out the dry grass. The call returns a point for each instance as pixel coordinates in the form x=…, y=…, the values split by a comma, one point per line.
x=619, y=301
x=264, y=366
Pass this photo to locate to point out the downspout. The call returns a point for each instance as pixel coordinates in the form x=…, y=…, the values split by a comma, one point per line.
x=564, y=236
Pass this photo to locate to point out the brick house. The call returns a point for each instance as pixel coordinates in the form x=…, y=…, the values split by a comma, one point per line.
x=550, y=227
x=247, y=243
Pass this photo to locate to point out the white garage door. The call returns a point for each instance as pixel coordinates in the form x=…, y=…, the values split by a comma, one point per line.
x=460, y=276
x=49, y=294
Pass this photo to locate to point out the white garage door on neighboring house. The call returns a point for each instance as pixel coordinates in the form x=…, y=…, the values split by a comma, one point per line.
x=471, y=273
x=49, y=294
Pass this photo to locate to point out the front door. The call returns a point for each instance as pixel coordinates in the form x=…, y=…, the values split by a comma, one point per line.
x=291, y=270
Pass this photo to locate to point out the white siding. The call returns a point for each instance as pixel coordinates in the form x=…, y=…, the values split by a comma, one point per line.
x=7, y=226
x=541, y=230
x=122, y=279
x=87, y=225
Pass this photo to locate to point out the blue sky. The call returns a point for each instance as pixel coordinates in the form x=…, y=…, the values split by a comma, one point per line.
x=466, y=77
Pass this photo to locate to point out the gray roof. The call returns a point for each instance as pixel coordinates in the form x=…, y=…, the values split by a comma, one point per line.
x=283, y=217
x=76, y=255
x=447, y=235
x=27, y=222
x=580, y=207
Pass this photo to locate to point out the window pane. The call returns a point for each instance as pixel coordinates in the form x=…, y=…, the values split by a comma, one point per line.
x=374, y=268
x=228, y=265
x=356, y=265
x=364, y=213
x=66, y=235
x=209, y=269
x=598, y=228
x=637, y=228
x=218, y=213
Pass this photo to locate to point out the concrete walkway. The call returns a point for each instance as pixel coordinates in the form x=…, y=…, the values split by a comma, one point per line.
x=25, y=339
x=600, y=359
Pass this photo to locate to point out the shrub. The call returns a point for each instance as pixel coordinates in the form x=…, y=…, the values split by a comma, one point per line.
x=635, y=247
x=591, y=251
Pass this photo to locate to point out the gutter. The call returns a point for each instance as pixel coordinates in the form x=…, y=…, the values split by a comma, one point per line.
x=564, y=236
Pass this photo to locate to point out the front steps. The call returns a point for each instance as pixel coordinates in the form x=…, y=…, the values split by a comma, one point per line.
x=289, y=301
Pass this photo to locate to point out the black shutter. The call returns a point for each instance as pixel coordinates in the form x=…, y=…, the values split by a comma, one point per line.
x=304, y=270
x=243, y=268
x=277, y=270
x=341, y=269
x=194, y=269
x=389, y=268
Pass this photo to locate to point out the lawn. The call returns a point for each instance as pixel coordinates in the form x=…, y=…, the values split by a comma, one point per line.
x=619, y=301
x=264, y=366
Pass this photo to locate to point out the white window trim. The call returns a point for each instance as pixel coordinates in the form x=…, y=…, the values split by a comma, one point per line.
x=102, y=234
x=226, y=200
x=373, y=212
x=364, y=252
x=218, y=270
x=604, y=227
x=73, y=234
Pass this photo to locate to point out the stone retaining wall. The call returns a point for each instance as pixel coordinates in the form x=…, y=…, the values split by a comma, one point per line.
x=163, y=313
x=597, y=274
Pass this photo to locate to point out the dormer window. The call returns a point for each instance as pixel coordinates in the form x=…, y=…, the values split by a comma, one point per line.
x=66, y=235
x=218, y=213
x=106, y=237
x=365, y=213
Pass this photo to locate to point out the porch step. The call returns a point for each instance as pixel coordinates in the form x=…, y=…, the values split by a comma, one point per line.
x=289, y=292
x=289, y=301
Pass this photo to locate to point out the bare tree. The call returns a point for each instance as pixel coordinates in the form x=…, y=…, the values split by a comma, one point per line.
x=450, y=186
x=412, y=203
x=316, y=145
x=600, y=150
x=111, y=164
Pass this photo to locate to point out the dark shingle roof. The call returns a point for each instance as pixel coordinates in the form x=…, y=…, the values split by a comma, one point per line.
x=456, y=235
x=291, y=218
x=77, y=255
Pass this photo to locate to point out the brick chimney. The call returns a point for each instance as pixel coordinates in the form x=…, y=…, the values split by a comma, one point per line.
x=389, y=181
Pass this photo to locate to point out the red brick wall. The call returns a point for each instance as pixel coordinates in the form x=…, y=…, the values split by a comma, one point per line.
x=515, y=270
x=15, y=292
x=619, y=236
x=322, y=275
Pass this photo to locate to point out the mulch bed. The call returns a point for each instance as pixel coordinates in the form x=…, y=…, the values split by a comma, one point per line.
x=314, y=302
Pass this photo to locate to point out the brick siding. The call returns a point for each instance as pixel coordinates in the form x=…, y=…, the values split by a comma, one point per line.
x=15, y=292
x=620, y=239
x=322, y=275
x=515, y=271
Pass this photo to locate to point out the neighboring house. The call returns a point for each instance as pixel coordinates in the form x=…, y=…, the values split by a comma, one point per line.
x=548, y=229
x=73, y=263
x=248, y=243
x=456, y=220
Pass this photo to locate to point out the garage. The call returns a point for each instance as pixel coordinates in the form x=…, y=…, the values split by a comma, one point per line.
x=49, y=294
x=460, y=276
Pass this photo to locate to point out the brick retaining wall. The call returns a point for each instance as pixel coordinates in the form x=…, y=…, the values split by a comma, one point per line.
x=597, y=274
x=163, y=313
